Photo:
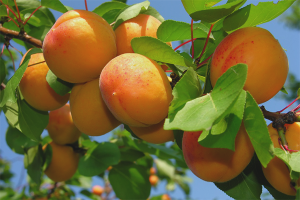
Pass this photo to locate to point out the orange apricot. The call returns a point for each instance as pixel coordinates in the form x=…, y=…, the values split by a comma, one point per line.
x=153, y=180
x=152, y=170
x=276, y=172
x=61, y=127
x=35, y=88
x=64, y=162
x=165, y=197
x=90, y=114
x=79, y=45
x=217, y=164
x=97, y=190
x=266, y=60
x=141, y=25
x=154, y=134
x=136, y=90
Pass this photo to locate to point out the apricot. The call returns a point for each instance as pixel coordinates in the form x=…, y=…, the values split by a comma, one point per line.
x=165, y=197
x=154, y=134
x=64, y=162
x=217, y=164
x=152, y=170
x=276, y=172
x=35, y=88
x=97, y=190
x=153, y=180
x=136, y=90
x=141, y=25
x=61, y=127
x=79, y=45
x=90, y=114
x=266, y=60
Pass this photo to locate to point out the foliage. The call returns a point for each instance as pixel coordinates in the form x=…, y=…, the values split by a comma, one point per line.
x=196, y=106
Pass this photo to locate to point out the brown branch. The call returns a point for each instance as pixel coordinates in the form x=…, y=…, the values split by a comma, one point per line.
x=2, y=86
x=21, y=36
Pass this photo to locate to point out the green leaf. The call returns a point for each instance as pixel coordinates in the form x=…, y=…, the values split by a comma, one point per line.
x=202, y=112
x=39, y=18
x=128, y=154
x=98, y=158
x=164, y=169
x=33, y=161
x=131, y=12
x=292, y=160
x=178, y=135
x=151, y=11
x=244, y=186
x=55, y=5
x=148, y=46
x=171, y=30
x=186, y=89
x=3, y=11
x=130, y=181
x=2, y=70
x=108, y=6
x=192, y=6
x=59, y=86
x=226, y=138
x=29, y=121
x=9, y=93
x=257, y=130
x=212, y=15
x=17, y=141
x=252, y=15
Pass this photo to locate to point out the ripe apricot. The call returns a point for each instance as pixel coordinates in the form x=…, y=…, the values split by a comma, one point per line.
x=276, y=172
x=141, y=25
x=152, y=170
x=90, y=114
x=63, y=164
x=97, y=190
x=79, y=45
x=217, y=164
x=153, y=180
x=266, y=60
x=165, y=197
x=35, y=88
x=154, y=134
x=61, y=127
x=136, y=90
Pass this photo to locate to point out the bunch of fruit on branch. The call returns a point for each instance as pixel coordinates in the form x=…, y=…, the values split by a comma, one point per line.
x=113, y=85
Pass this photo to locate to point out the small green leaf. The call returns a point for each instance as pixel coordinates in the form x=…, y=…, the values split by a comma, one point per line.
x=284, y=90
x=55, y=5
x=33, y=161
x=257, y=130
x=252, y=15
x=164, y=169
x=214, y=14
x=202, y=112
x=3, y=11
x=225, y=138
x=292, y=160
x=171, y=30
x=108, y=6
x=17, y=141
x=178, y=135
x=151, y=11
x=192, y=6
x=130, y=181
x=2, y=70
x=131, y=12
x=130, y=154
x=148, y=46
x=59, y=86
x=98, y=158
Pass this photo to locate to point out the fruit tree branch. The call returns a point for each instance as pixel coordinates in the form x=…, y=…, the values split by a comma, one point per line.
x=21, y=36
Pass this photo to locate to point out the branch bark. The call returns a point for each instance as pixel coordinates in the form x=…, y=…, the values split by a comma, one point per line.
x=21, y=36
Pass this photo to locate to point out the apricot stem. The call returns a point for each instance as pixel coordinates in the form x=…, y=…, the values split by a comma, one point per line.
x=288, y=105
x=86, y=7
x=183, y=44
x=297, y=108
x=31, y=14
x=205, y=45
x=204, y=62
x=19, y=19
x=192, y=30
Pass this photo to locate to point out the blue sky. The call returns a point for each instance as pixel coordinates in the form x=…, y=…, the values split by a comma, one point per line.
x=171, y=9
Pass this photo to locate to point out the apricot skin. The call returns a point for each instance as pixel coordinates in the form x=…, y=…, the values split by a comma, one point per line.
x=89, y=112
x=61, y=127
x=35, y=88
x=79, y=45
x=136, y=90
x=266, y=60
x=141, y=25
x=63, y=164
x=97, y=190
x=154, y=134
x=217, y=164
x=276, y=172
